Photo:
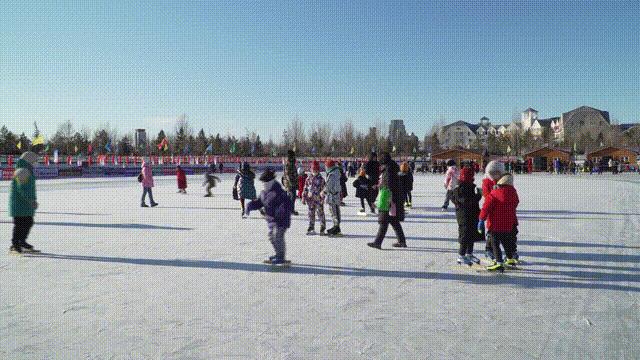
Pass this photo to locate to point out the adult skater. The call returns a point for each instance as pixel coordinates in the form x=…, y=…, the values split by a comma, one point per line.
x=406, y=183
x=277, y=205
x=450, y=181
x=221, y=167
x=245, y=186
x=389, y=202
x=466, y=197
x=22, y=203
x=492, y=172
x=372, y=170
x=333, y=192
x=312, y=196
x=210, y=180
x=499, y=212
x=290, y=178
x=363, y=186
x=181, y=177
x=343, y=185
x=146, y=177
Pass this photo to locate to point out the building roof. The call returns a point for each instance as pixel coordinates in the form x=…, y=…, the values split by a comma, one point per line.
x=615, y=148
x=531, y=110
x=472, y=127
x=484, y=118
x=605, y=114
x=625, y=127
x=548, y=148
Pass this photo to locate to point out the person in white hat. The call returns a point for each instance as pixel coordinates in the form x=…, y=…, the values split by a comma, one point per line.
x=22, y=203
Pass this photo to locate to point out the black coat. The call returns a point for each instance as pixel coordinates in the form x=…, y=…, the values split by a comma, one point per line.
x=389, y=178
x=406, y=182
x=372, y=169
x=362, y=187
x=466, y=199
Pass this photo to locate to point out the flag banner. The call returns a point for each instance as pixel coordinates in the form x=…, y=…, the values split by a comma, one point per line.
x=55, y=156
x=19, y=145
x=209, y=149
x=38, y=140
x=108, y=146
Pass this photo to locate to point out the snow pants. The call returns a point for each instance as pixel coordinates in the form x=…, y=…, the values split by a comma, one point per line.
x=21, y=228
x=276, y=237
x=335, y=214
x=316, y=206
x=507, y=240
x=384, y=226
x=447, y=198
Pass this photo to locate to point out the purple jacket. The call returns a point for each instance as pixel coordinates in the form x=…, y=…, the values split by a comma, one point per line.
x=277, y=205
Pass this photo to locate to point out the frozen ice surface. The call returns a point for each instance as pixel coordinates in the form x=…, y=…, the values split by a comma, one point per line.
x=186, y=279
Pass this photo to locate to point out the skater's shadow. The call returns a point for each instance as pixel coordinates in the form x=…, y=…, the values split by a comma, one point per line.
x=108, y=226
x=68, y=213
x=200, y=208
x=568, y=212
x=576, y=280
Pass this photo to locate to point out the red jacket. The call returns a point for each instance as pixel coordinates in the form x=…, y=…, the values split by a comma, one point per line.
x=487, y=186
x=182, y=179
x=301, y=181
x=499, y=209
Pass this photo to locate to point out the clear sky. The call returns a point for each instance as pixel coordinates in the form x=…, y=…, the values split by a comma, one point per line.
x=233, y=66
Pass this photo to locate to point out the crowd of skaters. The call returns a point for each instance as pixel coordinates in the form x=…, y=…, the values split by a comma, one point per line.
x=382, y=185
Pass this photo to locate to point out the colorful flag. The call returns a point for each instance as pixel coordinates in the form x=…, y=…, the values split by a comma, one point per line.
x=163, y=144
x=353, y=150
x=394, y=149
x=166, y=146
x=575, y=147
x=508, y=149
x=234, y=148
x=415, y=150
x=47, y=148
x=313, y=150
x=19, y=145
x=209, y=148
x=55, y=156
x=108, y=146
x=38, y=140
x=89, y=149
x=75, y=148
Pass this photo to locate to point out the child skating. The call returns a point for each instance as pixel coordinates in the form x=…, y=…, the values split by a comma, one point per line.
x=492, y=172
x=466, y=197
x=210, y=180
x=499, y=212
x=312, y=196
x=181, y=177
x=406, y=183
x=333, y=193
x=244, y=185
x=363, y=188
x=22, y=203
x=450, y=182
x=277, y=205
x=302, y=180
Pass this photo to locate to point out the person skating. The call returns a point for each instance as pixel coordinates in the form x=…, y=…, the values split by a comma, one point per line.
x=450, y=182
x=343, y=184
x=302, y=180
x=389, y=204
x=362, y=185
x=313, y=198
x=372, y=169
x=181, y=177
x=492, y=172
x=333, y=196
x=147, y=184
x=277, y=212
x=290, y=178
x=406, y=183
x=23, y=203
x=245, y=186
x=210, y=180
x=466, y=197
x=499, y=212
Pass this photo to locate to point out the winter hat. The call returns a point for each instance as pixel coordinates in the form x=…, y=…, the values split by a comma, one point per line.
x=494, y=167
x=451, y=162
x=315, y=166
x=291, y=154
x=245, y=166
x=329, y=164
x=404, y=167
x=506, y=179
x=300, y=171
x=29, y=157
x=466, y=175
x=267, y=175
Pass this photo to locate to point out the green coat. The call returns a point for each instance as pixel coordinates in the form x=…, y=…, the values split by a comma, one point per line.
x=23, y=195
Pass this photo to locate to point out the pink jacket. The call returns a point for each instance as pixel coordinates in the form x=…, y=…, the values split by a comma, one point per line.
x=451, y=179
x=147, y=175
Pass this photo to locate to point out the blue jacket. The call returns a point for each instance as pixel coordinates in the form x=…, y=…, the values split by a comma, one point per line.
x=277, y=205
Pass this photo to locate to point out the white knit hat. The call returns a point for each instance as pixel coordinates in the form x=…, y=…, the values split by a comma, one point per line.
x=494, y=167
x=29, y=157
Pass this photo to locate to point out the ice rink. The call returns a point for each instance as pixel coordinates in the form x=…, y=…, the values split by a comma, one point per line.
x=185, y=280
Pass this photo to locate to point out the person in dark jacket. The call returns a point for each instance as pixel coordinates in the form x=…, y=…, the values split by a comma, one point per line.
x=22, y=203
x=244, y=184
x=362, y=191
x=181, y=177
x=466, y=198
x=395, y=213
x=210, y=180
x=372, y=170
x=290, y=178
x=343, y=185
x=277, y=212
x=406, y=183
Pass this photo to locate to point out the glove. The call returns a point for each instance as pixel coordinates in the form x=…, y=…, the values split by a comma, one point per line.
x=480, y=226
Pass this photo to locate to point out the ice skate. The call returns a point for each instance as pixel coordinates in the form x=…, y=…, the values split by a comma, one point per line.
x=399, y=244
x=29, y=249
x=374, y=245
x=497, y=267
x=362, y=212
x=14, y=250
x=511, y=262
x=322, y=230
x=144, y=205
x=473, y=259
x=336, y=232
x=311, y=230
x=154, y=204
x=464, y=260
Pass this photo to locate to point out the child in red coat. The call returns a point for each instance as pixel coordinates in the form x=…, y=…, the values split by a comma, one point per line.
x=182, y=180
x=302, y=180
x=499, y=212
x=492, y=172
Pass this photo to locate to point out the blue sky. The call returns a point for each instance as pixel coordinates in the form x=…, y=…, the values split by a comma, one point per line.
x=233, y=66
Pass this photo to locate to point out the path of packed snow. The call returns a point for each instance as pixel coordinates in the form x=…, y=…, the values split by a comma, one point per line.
x=185, y=279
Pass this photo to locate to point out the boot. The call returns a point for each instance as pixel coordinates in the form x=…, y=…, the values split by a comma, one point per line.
x=311, y=230
x=399, y=244
x=374, y=245
x=322, y=230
